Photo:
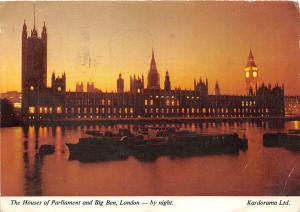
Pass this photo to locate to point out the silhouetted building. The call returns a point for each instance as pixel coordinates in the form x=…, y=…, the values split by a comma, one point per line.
x=90, y=87
x=136, y=84
x=51, y=103
x=167, y=82
x=34, y=63
x=120, y=84
x=79, y=87
x=292, y=105
x=153, y=75
x=217, y=89
x=201, y=87
x=251, y=75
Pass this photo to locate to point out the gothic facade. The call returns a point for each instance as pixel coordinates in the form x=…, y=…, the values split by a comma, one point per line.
x=40, y=102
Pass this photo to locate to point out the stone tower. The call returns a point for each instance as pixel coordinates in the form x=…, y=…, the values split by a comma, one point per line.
x=251, y=75
x=167, y=82
x=34, y=66
x=153, y=75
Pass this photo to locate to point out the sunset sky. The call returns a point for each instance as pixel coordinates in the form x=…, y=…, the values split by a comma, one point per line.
x=190, y=39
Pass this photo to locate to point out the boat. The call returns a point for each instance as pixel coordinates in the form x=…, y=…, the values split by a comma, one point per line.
x=150, y=143
x=96, y=133
x=291, y=141
x=99, y=148
x=46, y=149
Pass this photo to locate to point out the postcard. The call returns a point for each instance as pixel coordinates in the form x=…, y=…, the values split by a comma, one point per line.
x=150, y=105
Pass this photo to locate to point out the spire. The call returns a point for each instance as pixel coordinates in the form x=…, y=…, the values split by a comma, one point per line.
x=152, y=53
x=153, y=63
x=250, y=55
x=44, y=27
x=34, y=16
x=24, y=25
x=34, y=32
x=251, y=62
x=24, y=32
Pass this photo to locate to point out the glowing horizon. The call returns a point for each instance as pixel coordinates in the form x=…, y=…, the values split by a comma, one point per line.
x=95, y=41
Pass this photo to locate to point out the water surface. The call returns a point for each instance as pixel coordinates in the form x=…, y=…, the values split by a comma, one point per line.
x=257, y=171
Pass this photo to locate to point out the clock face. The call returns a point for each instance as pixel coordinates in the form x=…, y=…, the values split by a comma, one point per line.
x=254, y=74
x=247, y=74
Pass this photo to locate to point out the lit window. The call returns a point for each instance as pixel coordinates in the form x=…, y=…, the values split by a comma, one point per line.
x=146, y=102
x=78, y=110
x=31, y=88
x=46, y=109
x=58, y=88
x=151, y=101
x=50, y=110
x=84, y=110
x=58, y=110
x=41, y=110
x=31, y=109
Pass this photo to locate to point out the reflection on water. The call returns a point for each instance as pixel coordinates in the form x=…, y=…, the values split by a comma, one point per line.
x=258, y=171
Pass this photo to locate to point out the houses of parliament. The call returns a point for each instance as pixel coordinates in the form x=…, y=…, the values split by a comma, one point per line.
x=40, y=102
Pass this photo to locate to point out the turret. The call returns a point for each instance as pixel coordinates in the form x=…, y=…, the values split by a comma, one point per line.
x=167, y=82
x=24, y=32
x=217, y=89
x=120, y=84
x=44, y=32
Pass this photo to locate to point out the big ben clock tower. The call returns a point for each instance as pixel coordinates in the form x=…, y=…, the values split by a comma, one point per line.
x=251, y=74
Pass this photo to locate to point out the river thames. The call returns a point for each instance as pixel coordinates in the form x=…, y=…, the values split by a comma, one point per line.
x=256, y=171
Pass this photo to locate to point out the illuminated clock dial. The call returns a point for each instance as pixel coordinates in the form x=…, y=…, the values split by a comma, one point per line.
x=254, y=74
x=247, y=74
